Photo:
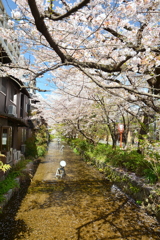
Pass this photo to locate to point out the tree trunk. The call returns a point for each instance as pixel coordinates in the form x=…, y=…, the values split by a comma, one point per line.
x=143, y=131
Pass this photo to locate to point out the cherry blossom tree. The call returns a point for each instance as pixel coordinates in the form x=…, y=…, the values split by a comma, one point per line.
x=86, y=111
x=112, y=44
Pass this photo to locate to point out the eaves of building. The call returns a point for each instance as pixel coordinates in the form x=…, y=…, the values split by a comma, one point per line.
x=18, y=121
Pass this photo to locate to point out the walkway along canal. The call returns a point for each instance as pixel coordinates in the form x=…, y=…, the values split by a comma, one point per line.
x=82, y=206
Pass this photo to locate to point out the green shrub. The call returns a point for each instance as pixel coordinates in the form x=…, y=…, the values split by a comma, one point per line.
x=148, y=167
x=9, y=182
x=31, y=148
x=153, y=162
x=101, y=149
x=150, y=175
x=82, y=146
x=36, y=146
x=41, y=150
x=75, y=151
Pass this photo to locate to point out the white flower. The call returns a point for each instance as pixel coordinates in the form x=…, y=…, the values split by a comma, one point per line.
x=16, y=14
x=10, y=23
x=141, y=17
x=157, y=62
x=148, y=50
x=136, y=60
x=149, y=43
x=122, y=58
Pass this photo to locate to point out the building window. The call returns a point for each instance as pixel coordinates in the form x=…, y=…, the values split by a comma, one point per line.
x=3, y=85
x=13, y=96
x=6, y=139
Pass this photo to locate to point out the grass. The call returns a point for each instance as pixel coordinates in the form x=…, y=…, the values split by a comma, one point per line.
x=10, y=181
x=131, y=161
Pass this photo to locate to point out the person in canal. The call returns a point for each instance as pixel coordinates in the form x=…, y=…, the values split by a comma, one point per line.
x=60, y=173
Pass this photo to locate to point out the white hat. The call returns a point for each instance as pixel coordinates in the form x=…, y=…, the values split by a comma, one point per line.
x=62, y=163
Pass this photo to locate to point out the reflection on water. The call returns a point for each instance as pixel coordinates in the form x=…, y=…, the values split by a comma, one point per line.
x=82, y=206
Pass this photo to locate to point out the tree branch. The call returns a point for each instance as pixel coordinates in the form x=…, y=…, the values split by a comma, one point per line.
x=138, y=47
x=51, y=14
x=41, y=27
x=106, y=68
x=139, y=34
x=116, y=34
x=120, y=86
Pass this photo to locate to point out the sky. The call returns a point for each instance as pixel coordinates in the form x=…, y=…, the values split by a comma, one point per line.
x=9, y=5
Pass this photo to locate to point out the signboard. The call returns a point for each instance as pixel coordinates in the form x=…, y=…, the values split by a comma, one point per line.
x=120, y=128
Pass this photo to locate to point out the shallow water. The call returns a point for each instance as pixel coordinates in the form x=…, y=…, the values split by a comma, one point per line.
x=82, y=206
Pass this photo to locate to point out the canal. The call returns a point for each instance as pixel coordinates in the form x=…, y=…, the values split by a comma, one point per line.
x=82, y=206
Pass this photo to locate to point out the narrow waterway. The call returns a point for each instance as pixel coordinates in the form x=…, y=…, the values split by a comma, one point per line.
x=82, y=206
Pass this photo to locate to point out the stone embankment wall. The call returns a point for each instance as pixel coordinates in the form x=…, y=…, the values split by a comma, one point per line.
x=146, y=195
